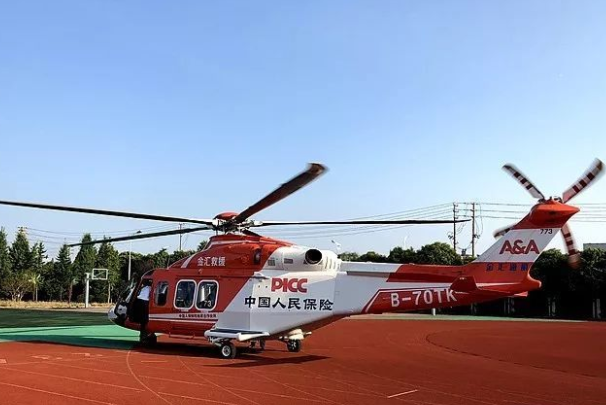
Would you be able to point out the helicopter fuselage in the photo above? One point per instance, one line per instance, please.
(247, 287)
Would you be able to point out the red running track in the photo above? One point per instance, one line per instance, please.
(349, 362)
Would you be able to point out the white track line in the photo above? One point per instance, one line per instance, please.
(402, 393)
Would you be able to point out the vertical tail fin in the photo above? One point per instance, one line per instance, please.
(510, 258)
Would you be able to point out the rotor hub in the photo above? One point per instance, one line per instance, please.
(226, 216)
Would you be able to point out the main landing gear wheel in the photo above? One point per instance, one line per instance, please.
(228, 350)
(293, 346)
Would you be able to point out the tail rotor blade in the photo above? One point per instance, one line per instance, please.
(592, 174)
(574, 257)
(523, 180)
(502, 231)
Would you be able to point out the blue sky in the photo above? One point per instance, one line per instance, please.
(194, 108)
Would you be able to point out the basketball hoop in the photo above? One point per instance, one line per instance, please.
(96, 274)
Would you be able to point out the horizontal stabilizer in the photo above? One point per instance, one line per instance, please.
(467, 284)
(464, 284)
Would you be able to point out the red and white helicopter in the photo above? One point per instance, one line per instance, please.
(244, 287)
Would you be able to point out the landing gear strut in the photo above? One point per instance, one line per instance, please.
(293, 346)
(253, 344)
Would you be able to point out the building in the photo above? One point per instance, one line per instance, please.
(594, 246)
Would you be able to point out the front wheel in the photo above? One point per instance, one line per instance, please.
(294, 346)
(228, 350)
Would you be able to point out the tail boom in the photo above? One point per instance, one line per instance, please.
(501, 271)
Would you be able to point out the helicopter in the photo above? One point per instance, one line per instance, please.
(247, 288)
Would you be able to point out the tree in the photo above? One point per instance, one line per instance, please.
(161, 258)
(139, 265)
(84, 263)
(59, 278)
(34, 280)
(5, 262)
(438, 253)
(20, 253)
(16, 284)
(180, 254)
(107, 258)
(38, 256)
(593, 276)
(35, 275)
(551, 268)
(16, 281)
(593, 269)
(349, 256)
(202, 245)
(372, 257)
(401, 255)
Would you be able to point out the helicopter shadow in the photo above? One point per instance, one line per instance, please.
(247, 357)
(259, 360)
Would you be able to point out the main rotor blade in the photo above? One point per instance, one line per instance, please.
(107, 212)
(364, 222)
(144, 236)
(313, 172)
(523, 180)
(574, 257)
(592, 174)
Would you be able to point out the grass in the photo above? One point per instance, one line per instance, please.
(24, 318)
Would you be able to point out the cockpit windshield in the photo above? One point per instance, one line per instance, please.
(128, 293)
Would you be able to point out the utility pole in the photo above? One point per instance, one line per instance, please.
(180, 235)
(473, 229)
(455, 211)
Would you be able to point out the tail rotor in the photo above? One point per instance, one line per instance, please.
(588, 178)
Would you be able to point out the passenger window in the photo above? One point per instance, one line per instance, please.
(161, 293)
(207, 295)
(184, 297)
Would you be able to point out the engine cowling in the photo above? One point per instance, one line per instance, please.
(302, 258)
(313, 256)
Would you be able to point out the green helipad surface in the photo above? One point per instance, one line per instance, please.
(66, 327)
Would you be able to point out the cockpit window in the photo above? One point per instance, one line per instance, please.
(184, 297)
(207, 295)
